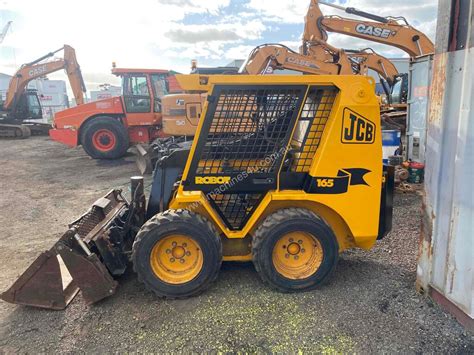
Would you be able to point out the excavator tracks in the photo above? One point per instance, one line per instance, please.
(11, 131)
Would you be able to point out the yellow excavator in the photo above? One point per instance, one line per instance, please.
(23, 105)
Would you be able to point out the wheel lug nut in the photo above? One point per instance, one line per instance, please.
(188, 253)
(172, 260)
(291, 240)
(168, 251)
(287, 256)
(300, 241)
(303, 250)
(296, 257)
(181, 261)
(284, 246)
(184, 245)
(173, 244)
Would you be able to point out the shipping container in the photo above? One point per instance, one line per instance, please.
(446, 259)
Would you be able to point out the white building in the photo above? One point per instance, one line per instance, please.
(51, 93)
(107, 91)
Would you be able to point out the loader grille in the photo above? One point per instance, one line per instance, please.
(92, 218)
(235, 209)
(248, 126)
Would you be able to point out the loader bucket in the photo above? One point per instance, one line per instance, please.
(94, 248)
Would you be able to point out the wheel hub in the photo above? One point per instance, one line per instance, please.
(297, 255)
(103, 140)
(176, 259)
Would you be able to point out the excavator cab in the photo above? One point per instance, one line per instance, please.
(29, 107)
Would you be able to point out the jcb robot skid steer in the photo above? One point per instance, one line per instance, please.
(285, 171)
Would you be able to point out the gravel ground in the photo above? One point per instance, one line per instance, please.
(369, 306)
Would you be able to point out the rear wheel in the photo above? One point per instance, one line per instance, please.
(177, 254)
(294, 250)
(105, 138)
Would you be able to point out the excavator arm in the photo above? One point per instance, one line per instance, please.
(369, 59)
(392, 31)
(277, 57)
(38, 68)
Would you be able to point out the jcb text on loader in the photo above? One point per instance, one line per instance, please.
(285, 171)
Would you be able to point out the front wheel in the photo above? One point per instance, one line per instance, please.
(105, 138)
(177, 254)
(294, 250)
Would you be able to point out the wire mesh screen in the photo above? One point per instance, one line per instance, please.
(249, 125)
(310, 127)
(235, 208)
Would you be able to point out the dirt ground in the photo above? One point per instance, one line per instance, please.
(369, 306)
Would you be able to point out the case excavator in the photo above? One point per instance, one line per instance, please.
(273, 175)
(22, 106)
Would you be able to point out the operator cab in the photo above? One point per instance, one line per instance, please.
(29, 107)
(140, 90)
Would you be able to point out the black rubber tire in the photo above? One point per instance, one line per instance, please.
(285, 221)
(177, 222)
(116, 127)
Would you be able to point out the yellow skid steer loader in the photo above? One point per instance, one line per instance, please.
(285, 171)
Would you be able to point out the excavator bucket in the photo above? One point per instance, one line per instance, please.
(85, 258)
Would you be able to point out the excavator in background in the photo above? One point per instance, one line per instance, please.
(266, 58)
(23, 105)
(391, 31)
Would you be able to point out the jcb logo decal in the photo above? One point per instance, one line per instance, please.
(373, 31)
(357, 129)
(211, 180)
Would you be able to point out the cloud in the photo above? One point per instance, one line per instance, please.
(204, 35)
(169, 33)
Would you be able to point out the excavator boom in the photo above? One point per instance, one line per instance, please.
(36, 69)
(277, 56)
(392, 31)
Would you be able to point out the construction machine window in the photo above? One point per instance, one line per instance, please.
(309, 129)
(160, 89)
(136, 94)
(34, 106)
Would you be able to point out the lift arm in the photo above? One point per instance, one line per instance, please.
(38, 68)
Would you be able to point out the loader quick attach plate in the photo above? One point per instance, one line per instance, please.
(72, 264)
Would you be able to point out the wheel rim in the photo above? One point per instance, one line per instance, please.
(297, 255)
(103, 140)
(176, 259)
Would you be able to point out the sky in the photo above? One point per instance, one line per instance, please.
(167, 34)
